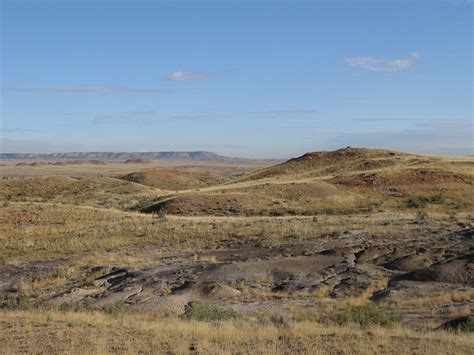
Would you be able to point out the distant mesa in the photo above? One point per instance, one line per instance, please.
(118, 156)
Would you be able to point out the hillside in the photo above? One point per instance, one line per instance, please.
(345, 181)
(174, 180)
(331, 162)
(102, 192)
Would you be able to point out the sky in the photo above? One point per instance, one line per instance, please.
(255, 79)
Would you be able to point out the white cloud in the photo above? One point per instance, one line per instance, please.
(399, 64)
(392, 65)
(184, 75)
(363, 62)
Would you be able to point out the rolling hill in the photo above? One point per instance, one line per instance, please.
(349, 180)
(173, 179)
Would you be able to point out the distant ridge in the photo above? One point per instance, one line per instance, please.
(193, 155)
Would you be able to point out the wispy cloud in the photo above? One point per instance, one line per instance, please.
(201, 116)
(15, 130)
(392, 65)
(114, 120)
(368, 63)
(81, 89)
(286, 112)
(142, 112)
(186, 75)
(415, 120)
(146, 117)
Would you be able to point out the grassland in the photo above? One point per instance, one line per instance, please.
(85, 333)
(95, 262)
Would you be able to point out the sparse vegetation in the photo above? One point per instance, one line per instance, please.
(423, 201)
(468, 326)
(114, 310)
(270, 259)
(367, 314)
(203, 311)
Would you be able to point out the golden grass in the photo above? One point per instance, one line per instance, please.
(116, 168)
(87, 332)
(71, 220)
(37, 231)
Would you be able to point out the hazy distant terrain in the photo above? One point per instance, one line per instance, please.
(362, 249)
(197, 155)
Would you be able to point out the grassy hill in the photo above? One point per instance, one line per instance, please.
(174, 180)
(349, 180)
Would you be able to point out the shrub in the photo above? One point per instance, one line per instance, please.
(66, 307)
(436, 198)
(160, 214)
(416, 202)
(421, 217)
(281, 319)
(468, 325)
(367, 314)
(422, 201)
(207, 312)
(115, 310)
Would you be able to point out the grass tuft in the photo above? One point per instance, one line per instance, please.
(367, 314)
(202, 311)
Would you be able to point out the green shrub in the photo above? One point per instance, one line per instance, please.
(207, 312)
(66, 307)
(468, 325)
(436, 198)
(115, 310)
(416, 202)
(281, 319)
(423, 201)
(367, 314)
(160, 214)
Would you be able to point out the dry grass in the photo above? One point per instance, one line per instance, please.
(237, 168)
(174, 180)
(87, 332)
(37, 231)
(78, 223)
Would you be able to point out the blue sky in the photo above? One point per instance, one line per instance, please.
(257, 79)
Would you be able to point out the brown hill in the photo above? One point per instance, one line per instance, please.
(338, 161)
(349, 180)
(93, 191)
(175, 180)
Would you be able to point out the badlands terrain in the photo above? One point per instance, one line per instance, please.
(350, 251)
